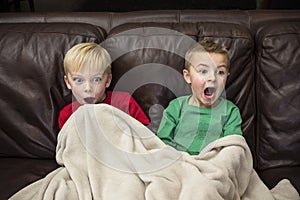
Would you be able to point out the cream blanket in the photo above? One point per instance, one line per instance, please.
(106, 154)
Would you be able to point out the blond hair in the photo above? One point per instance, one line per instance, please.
(205, 46)
(90, 55)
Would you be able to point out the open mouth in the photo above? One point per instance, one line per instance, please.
(89, 100)
(209, 91)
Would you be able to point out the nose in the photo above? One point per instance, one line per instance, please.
(211, 76)
(88, 87)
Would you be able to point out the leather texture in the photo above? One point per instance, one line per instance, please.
(147, 49)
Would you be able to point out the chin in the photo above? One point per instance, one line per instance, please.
(209, 104)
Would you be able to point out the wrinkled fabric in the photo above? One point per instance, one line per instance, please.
(106, 154)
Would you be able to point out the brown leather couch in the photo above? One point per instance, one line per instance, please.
(147, 48)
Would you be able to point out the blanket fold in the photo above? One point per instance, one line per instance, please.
(106, 154)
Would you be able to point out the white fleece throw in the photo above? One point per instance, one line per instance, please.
(106, 154)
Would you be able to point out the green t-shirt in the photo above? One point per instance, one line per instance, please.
(190, 128)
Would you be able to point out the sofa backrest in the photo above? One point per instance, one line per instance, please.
(32, 86)
(278, 95)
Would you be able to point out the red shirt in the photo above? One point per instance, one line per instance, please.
(122, 100)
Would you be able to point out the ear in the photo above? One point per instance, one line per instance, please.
(109, 78)
(186, 76)
(67, 82)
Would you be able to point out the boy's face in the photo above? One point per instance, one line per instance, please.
(207, 75)
(88, 86)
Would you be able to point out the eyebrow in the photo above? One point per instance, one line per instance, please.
(220, 66)
(202, 65)
(208, 66)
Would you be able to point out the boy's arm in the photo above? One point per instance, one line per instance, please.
(66, 112)
(233, 122)
(62, 117)
(168, 125)
(137, 112)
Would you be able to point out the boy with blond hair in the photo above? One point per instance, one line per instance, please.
(87, 68)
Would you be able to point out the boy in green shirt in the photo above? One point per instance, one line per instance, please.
(191, 122)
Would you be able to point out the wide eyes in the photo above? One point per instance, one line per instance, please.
(202, 71)
(79, 80)
(220, 72)
(205, 71)
(96, 79)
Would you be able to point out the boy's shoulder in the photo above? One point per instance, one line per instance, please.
(71, 107)
(117, 97)
(228, 102)
(180, 99)
(118, 93)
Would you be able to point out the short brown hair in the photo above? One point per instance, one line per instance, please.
(206, 46)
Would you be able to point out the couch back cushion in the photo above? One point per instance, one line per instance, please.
(148, 59)
(278, 95)
(32, 86)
